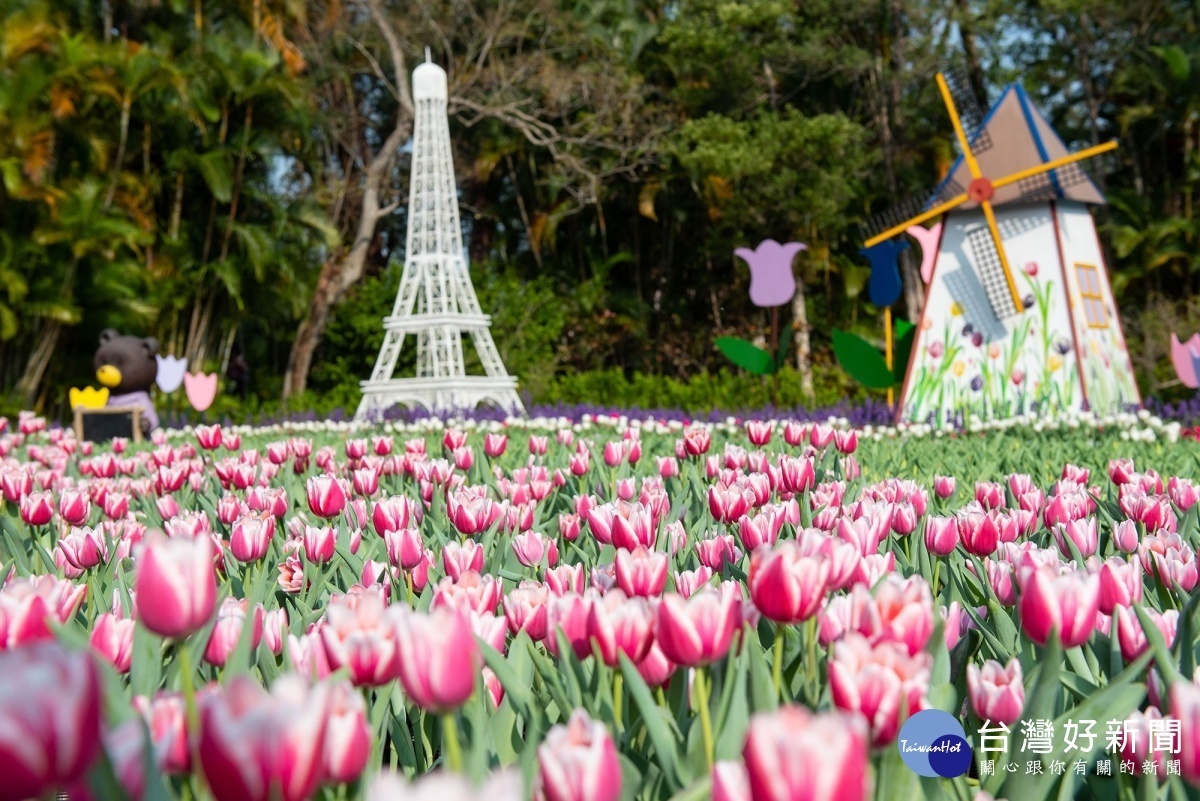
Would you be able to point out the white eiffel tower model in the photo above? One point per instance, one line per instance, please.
(436, 301)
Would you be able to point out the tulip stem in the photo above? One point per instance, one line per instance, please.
(937, 568)
(777, 666)
(618, 690)
(450, 737)
(706, 730)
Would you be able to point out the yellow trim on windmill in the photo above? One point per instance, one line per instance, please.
(982, 189)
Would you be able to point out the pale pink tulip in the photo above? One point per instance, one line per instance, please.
(996, 691)
(878, 682)
(260, 746)
(112, 638)
(794, 755)
(231, 620)
(578, 762)
(348, 737)
(1066, 604)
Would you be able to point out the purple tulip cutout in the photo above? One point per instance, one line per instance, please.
(771, 280)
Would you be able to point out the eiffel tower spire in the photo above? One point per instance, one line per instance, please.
(436, 302)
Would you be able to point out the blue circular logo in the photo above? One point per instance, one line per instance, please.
(933, 743)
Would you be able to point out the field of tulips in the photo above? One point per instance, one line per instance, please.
(596, 611)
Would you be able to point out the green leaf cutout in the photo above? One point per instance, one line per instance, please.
(861, 360)
(749, 357)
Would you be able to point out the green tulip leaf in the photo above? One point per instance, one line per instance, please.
(749, 357)
(861, 360)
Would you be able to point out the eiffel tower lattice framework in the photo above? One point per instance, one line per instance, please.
(436, 302)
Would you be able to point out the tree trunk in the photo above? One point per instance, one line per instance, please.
(343, 271)
(975, 76)
(800, 341)
(122, 142)
(39, 360)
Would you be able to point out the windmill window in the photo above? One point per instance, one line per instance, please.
(1089, 292)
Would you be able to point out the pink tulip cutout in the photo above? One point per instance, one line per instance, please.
(201, 389)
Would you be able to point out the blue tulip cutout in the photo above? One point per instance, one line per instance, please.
(884, 287)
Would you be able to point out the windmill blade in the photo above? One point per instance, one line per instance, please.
(969, 110)
(914, 211)
(994, 282)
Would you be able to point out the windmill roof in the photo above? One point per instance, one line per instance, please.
(1014, 136)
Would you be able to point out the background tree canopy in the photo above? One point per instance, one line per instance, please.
(204, 172)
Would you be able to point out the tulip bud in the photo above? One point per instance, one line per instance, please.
(251, 535)
(176, 585)
(1067, 605)
(319, 544)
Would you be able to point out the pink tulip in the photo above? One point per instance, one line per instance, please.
(83, 548)
(326, 498)
(641, 572)
(537, 445)
(717, 551)
(797, 475)
(260, 746)
(405, 547)
(785, 585)
(698, 631)
(16, 484)
(347, 738)
(176, 586)
(470, 592)
(569, 615)
(112, 638)
(1185, 707)
(74, 507)
(494, 445)
(1082, 532)
(845, 441)
(50, 713)
(903, 613)
(1125, 536)
(319, 544)
(941, 535)
(439, 658)
(526, 609)
(878, 682)
(957, 622)
(37, 508)
(996, 691)
(943, 486)
(166, 717)
(794, 755)
(727, 504)
(1131, 635)
(621, 625)
(730, 782)
(578, 762)
(979, 532)
(759, 432)
(533, 549)
(231, 619)
(471, 513)
(275, 630)
(1066, 604)
(391, 514)
(1120, 583)
(360, 637)
(251, 536)
(459, 558)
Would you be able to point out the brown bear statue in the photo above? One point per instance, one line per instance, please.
(128, 367)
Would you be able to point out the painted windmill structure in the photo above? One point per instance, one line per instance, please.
(436, 302)
(1019, 312)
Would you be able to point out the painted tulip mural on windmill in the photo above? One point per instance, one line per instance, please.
(772, 284)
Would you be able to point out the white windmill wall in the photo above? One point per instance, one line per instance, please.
(1026, 360)
(1109, 383)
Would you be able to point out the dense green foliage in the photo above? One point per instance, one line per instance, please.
(186, 170)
